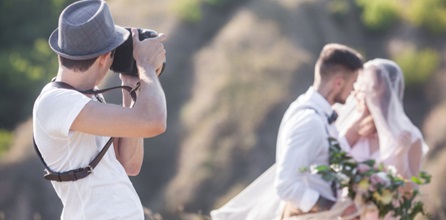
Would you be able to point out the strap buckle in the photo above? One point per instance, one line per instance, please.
(90, 168)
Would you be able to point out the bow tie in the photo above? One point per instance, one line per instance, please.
(332, 118)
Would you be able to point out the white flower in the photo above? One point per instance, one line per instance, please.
(313, 169)
(336, 167)
(344, 178)
(392, 170)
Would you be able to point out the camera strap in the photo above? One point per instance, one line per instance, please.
(73, 175)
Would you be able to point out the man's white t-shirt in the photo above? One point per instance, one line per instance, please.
(107, 192)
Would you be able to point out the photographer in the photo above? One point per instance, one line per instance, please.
(72, 126)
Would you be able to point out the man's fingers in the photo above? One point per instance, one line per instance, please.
(134, 33)
(161, 37)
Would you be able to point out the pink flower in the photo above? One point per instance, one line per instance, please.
(362, 168)
(380, 178)
(396, 203)
(374, 179)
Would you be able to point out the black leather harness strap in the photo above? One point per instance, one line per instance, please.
(73, 175)
(76, 174)
(132, 91)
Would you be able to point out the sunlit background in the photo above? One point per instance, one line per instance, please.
(233, 66)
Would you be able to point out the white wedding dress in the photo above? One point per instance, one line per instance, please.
(258, 201)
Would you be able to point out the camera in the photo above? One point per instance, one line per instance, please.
(123, 61)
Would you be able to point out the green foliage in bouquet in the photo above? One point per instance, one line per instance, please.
(372, 185)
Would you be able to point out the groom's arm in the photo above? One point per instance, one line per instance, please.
(300, 142)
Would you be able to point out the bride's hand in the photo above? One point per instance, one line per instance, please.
(367, 126)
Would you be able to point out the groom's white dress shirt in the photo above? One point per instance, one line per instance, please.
(303, 141)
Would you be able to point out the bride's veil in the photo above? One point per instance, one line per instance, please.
(382, 83)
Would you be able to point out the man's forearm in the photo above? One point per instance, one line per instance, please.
(152, 100)
(130, 153)
(149, 111)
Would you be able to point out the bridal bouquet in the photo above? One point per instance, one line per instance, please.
(375, 186)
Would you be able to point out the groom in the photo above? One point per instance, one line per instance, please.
(305, 128)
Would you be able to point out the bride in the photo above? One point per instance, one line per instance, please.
(385, 134)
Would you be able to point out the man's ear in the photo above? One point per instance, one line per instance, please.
(339, 81)
(103, 59)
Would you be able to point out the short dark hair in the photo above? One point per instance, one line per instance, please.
(333, 57)
(77, 65)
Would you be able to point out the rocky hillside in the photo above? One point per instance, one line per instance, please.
(228, 81)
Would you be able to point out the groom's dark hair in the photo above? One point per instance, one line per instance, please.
(334, 57)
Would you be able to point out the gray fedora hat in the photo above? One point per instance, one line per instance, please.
(86, 30)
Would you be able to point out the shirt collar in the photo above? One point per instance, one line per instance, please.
(319, 101)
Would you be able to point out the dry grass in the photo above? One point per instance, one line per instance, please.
(434, 194)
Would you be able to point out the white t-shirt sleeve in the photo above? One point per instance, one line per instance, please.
(58, 108)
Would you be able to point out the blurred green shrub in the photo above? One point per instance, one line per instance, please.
(191, 11)
(222, 4)
(417, 66)
(378, 15)
(430, 14)
(5, 141)
(27, 61)
(188, 11)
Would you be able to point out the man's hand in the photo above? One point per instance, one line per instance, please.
(149, 53)
(128, 80)
(321, 205)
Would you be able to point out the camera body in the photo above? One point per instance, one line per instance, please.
(123, 61)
